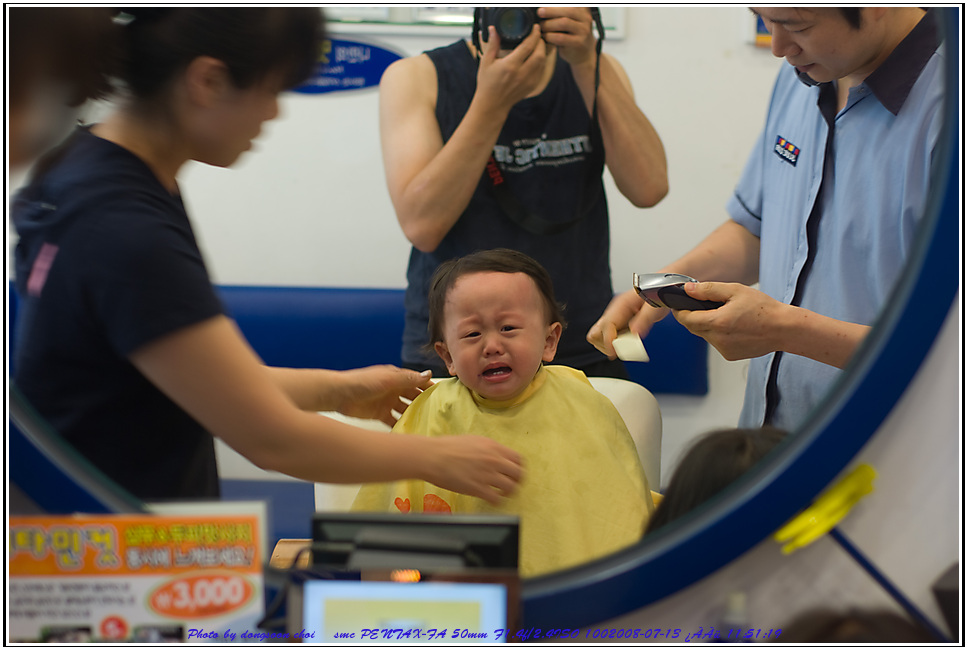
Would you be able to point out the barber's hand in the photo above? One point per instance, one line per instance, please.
(625, 311)
(571, 30)
(476, 466)
(743, 328)
(374, 392)
(507, 80)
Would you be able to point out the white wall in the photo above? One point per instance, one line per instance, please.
(309, 205)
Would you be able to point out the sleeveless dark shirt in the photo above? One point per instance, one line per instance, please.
(543, 153)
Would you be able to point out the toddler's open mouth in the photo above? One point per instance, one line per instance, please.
(496, 372)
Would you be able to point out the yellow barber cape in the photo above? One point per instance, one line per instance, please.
(584, 494)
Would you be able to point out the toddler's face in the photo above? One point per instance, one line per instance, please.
(495, 333)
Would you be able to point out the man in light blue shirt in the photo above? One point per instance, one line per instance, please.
(826, 210)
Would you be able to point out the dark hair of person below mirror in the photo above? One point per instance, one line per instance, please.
(713, 461)
(853, 626)
(71, 45)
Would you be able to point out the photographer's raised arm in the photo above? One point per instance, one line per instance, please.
(430, 182)
(633, 150)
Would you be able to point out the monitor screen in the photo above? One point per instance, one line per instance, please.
(336, 611)
(366, 540)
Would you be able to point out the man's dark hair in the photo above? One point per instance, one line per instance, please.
(851, 15)
(498, 260)
(713, 462)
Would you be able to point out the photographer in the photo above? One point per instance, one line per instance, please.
(503, 146)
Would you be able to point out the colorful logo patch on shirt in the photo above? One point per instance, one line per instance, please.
(786, 150)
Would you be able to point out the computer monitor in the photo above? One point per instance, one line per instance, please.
(335, 611)
(351, 541)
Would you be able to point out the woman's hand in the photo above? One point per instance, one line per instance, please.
(473, 465)
(376, 391)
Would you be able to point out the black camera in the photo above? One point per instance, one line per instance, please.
(513, 24)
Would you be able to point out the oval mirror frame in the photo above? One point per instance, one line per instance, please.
(822, 446)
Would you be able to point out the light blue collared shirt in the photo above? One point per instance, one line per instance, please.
(871, 203)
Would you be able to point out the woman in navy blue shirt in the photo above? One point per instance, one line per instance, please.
(124, 346)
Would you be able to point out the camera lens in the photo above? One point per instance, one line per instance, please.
(513, 24)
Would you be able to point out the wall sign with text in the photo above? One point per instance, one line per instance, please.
(348, 65)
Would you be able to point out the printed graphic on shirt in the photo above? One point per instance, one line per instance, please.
(431, 503)
(786, 150)
(525, 153)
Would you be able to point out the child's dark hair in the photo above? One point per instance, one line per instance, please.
(498, 260)
(713, 462)
(880, 626)
(253, 42)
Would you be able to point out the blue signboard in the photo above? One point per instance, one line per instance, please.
(348, 65)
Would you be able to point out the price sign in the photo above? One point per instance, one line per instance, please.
(201, 596)
(147, 578)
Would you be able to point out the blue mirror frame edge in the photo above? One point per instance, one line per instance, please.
(823, 446)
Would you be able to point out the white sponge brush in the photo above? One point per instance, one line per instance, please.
(629, 347)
